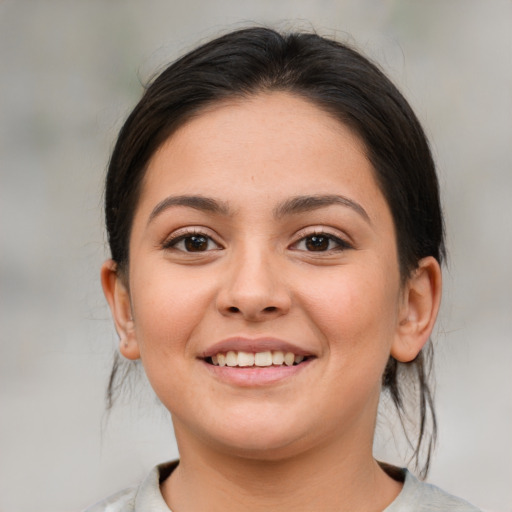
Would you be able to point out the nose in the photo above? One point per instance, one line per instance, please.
(252, 288)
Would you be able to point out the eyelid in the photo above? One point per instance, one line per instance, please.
(180, 234)
(342, 239)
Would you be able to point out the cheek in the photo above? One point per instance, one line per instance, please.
(167, 306)
(355, 309)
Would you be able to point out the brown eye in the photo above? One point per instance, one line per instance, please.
(317, 243)
(192, 243)
(196, 243)
(321, 242)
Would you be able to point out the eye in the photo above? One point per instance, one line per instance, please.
(321, 242)
(192, 242)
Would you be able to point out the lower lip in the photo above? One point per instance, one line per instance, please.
(255, 376)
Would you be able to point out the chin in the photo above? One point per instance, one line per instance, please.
(261, 440)
(263, 449)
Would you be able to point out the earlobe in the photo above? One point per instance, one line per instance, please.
(118, 298)
(418, 311)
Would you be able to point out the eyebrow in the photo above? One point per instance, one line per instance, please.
(201, 203)
(294, 205)
(301, 204)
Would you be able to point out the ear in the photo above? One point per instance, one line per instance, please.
(118, 297)
(418, 311)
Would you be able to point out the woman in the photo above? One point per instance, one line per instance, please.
(276, 233)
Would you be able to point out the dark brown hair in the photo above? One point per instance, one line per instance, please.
(342, 82)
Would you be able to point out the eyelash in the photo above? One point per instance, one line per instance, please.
(172, 243)
(321, 236)
(341, 245)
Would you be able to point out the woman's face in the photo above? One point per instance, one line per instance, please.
(261, 230)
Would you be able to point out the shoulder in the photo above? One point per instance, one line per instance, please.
(146, 496)
(422, 497)
(122, 501)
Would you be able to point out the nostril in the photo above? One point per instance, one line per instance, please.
(233, 309)
(270, 309)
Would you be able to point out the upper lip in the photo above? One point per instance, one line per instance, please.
(262, 344)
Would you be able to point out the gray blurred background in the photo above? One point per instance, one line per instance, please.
(69, 73)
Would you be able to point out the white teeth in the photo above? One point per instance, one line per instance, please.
(278, 357)
(261, 359)
(289, 358)
(245, 359)
(231, 358)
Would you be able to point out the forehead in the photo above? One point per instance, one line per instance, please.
(275, 142)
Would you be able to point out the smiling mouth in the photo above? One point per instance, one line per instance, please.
(267, 358)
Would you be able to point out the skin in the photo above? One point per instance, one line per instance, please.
(250, 444)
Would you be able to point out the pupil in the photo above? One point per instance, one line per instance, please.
(196, 243)
(317, 243)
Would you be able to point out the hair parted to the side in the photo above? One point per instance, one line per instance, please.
(339, 80)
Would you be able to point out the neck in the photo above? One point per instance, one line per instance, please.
(328, 478)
